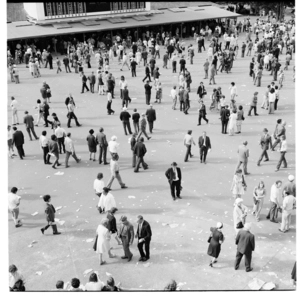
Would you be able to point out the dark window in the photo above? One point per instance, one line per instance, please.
(97, 6)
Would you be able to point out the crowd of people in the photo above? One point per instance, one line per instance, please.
(265, 43)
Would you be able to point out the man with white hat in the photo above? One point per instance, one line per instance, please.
(290, 186)
(126, 234)
(124, 117)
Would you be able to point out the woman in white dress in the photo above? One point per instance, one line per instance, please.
(138, 56)
(232, 122)
(103, 240)
(238, 184)
(106, 201)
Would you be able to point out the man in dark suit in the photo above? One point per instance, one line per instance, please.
(84, 80)
(225, 114)
(152, 63)
(50, 216)
(92, 79)
(266, 143)
(148, 92)
(132, 145)
(151, 117)
(18, 141)
(204, 145)
(140, 150)
(124, 117)
(101, 140)
(173, 174)
(29, 122)
(135, 119)
(66, 62)
(126, 97)
(201, 90)
(243, 152)
(110, 85)
(202, 113)
(245, 242)
(143, 234)
(147, 72)
(45, 108)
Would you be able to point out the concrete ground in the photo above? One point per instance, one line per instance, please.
(178, 252)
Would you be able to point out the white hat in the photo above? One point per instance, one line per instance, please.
(114, 137)
(124, 108)
(219, 225)
(247, 227)
(291, 177)
(238, 200)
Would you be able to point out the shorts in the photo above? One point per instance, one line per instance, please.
(15, 213)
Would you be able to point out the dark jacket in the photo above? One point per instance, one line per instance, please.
(126, 95)
(112, 223)
(140, 149)
(201, 90)
(18, 138)
(50, 212)
(110, 84)
(46, 108)
(147, 70)
(151, 115)
(101, 139)
(92, 78)
(202, 110)
(225, 114)
(148, 89)
(170, 174)
(136, 117)
(207, 142)
(132, 143)
(146, 232)
(29, 121)
(84, 79)
(125, 116)
(265, 142)
(53, 147)
(66, 61)
(245, 242)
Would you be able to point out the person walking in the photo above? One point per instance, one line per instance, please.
(205, 147)
(135, 120)
(106, 201)
(143, 127)
(109, 103)
(71, 114)
(215, 240)
(126, 234)
(225, 114)
(132, 145)
(274, 198)
(233, 91)
(174, 97)
(239, 185)
(240, 118)
(265, 142)
(18, 141)
(290, 186)
(29, 122)
(232, 122)
(45, 108)
(283, 149)
(60, 134)
(186, 99)
(54, 151)
(151, 117)
(239, 215)
(143, 235)
(84, 80)
(173, 175)
(259, 194)
(202, 113)
(44, 143)
(147, 73)
(212, 74)
(188, 141)
(140, 150)
(243, 153)
(50, 216)
(92, 144)
(101, 140)
(124, 117)
(58, 63)
(92, 79)
(253, 104)
(14, 104)
(112, 224)
(201, 91)
(70, 150)
(115, 172)
(66, 62)
(245, 242)
(13, 206)
(148, 92)
(11, 153)
(206, 67)
(288, 204)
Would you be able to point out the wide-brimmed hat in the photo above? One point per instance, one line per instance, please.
(219, 225)
(106, 189)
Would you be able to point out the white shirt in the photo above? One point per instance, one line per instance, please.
(275, 194)
(176, 175)
(13, 201)
(113, 146)
(122, 84)
(288, 202)
(69, 145)
(124, 58)
(173, 93)
(188, 139)
(283, 147)
(9, 134)
(43, 141)
(94, 286)
(14, 104)
(233, 90)
(59, 132)
(272, 97)
(13, 278)
(98, 185)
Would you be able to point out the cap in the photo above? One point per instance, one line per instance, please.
(174, 164)
(265, 130)
(219, 225)
(114, 137)
(238, 200)
(123, 219)
(106, 189)
(245, 142)
(291, 177)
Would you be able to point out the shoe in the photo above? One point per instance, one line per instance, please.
(250, 269)
(141, 258)
(236, 268)
(124, 187)
(247, 173)
(124, 257)
(282, 231)
(42, 230)
(201, 161)
(106, 163)
(256, 114)
(266, 160)
(49, 163)
(58, 164)
(199, 125)
(149, 138)
(258, 164)
(18, 225)
(178, 197)
(79, 125)
(135, 171)
(129, 259)
(211, 264)
(276, 170)
(67, 166)
(56, 233)
(273, 221)
(53, 167)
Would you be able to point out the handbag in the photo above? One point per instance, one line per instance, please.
(95, 243)
(209, 238)
(68, 115)
(240, 225)
(243, 118)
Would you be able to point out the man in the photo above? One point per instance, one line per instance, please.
(243, 153)
(182, 63)
(181, 99)
(152, 63)
(70, 150)
(274, 198)
(45, 109)
(143, 127)
(101, 140)
(206, 66)
(202, 113)
(174, 97)
(126, 234)
(44, 142)
(18, 141)
(13, 206)
(290, 186)
(92, 79)
(280, 131)
(132, 145)
(145, 57)
(133, 68)
(186, 99)
(124, 117)
(147, 72)
(115, 168)
(212, 74)
(140, 150)
(58, 63)
(243, 49)
(289, 203)
(29, 122)
(148, 92)
(50, 215)
(205, 146)
(135, 120)
(188, 141)
(110, 85)
(125, 62)
(14, 109)
(265, 142)
(201, 91)
(173, 175)
(225, 114)
(283, 149)
(126, 98)
(71, 114)
(53, 150)
(66, 62)
(60, 134)
(143, 234)
(84, 80)
(245, 242)
(151, 117)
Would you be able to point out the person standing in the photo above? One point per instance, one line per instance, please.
(173, 175)
(239, 185)
(201, 91)
(54, 151)
(92, 144)
(186, 99)
(239, 215)
(151, 117)
(13, 105)
(265, 142)
(243, 153)
(115, 172)
(133, 67)
(126, 234)
(45, 108)
(58, 63)
(253, 104)
(139, 151)
(259, 194)
(13, 206)
(60, 134)
(289, 203)
(290, 186)
(202, 113)
(132, 145)
(18, 141)
(126, 98)
(233, 91)
(71, 114)
(9, 142)
(143, 234)
(283, 149)
(245, 242)
(206, 67)
(44, 143)
(148, 92)
(147, 73)
(92, 79)
(143, 127)
(66, 62)
(274, 198)
(29, 122)
(225, 114)
(124, 117)
(279, 131)
(174, 97)
(212, 74)
(84, 80)
(188, 141)
(46, 92)
(70, 150)
(215, 240)
(101, 140)
(205, 146)
(50, 216)
(135, 120)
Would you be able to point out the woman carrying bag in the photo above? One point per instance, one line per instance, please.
(215, 240)
(259, 194)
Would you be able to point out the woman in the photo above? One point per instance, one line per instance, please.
(55, 122)
(94, 284)
(215, 240)
(265, 103)
(109, 102)
(15, 276)
(158, 92)
(39, 112)
(259, 194)
(272, 98)
(239, 120)
(103, 241)
(98, 186)
(238, 186)
(232, 122)
(213, 99)
(110, 285)
(112, 223)
(106, 201)
(100, 83)
(92, 144)
(239, 215)
(138, 57)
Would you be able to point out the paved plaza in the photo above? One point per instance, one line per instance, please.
(180, 228)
